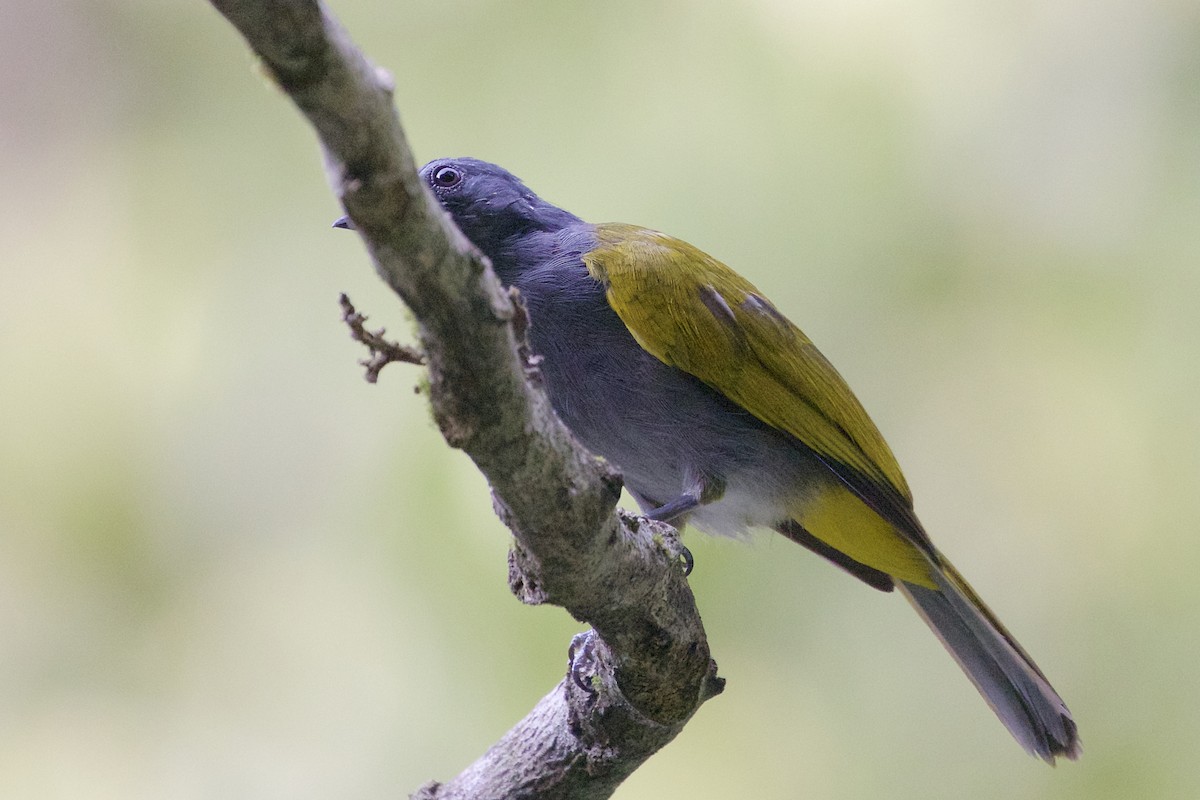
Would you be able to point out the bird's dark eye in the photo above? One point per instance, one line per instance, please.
(446, 177)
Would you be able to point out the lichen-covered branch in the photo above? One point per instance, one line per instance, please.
(646, 668)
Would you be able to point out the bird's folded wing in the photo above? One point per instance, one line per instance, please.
(693, 312)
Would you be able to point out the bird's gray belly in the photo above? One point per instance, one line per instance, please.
(663, 427)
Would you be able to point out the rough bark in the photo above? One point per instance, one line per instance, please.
(645, 668)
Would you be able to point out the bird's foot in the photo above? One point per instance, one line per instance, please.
(579, 657)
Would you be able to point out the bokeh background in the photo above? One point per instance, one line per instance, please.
(229, 568)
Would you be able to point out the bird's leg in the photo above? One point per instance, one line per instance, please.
(668, 512)
(700, 489)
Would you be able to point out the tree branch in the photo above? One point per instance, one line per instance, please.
(646, 669)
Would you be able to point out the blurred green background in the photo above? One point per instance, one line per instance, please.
(229, 568)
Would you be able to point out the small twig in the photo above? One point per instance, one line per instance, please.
(383, 351)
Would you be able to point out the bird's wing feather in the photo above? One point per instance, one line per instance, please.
(693, 312)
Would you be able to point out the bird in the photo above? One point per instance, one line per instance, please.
(722, 415)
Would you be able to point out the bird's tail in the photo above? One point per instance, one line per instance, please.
(1002, 671)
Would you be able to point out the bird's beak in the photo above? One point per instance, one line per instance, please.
(343, 222)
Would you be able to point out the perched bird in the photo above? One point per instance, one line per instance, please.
(721, 413)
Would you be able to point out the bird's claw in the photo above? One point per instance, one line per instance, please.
(688, 561)
(578, 654)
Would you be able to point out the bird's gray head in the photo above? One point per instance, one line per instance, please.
(490, 204)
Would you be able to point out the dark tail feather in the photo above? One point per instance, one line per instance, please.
(1004, 674)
